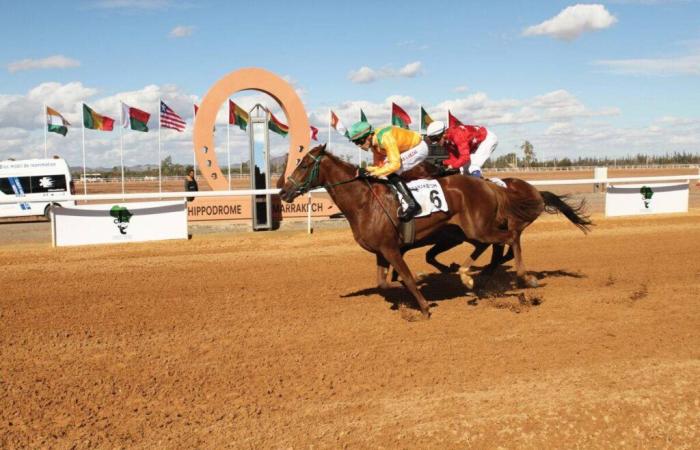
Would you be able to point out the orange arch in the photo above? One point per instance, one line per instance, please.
(236, 81)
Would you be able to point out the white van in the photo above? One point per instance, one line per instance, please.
(36, 182)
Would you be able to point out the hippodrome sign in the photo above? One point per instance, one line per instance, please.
(299, 137)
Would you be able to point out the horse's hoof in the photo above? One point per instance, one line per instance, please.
(467, 280)
(531, 281)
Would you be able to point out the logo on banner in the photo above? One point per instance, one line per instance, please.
(46, 182)
(647, 194)
(122, 216)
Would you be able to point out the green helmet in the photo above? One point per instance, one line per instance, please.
(359, 130)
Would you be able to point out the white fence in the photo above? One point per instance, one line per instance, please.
(249, 192)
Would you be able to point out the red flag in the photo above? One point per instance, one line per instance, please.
(314, 132)
(399, 116)
(196, 108)
(452, 120)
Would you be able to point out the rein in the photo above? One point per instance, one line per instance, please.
(302, 188)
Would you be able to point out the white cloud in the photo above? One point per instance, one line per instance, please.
(571, 22)
(363, 75)
(51, 62)
(133, 4)
(368, 75)
(683, 65)
(462, 88)
(181, 31)
(410, 70)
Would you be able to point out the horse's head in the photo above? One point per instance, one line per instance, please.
(306, 175)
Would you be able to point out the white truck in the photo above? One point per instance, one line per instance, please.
(33, 183)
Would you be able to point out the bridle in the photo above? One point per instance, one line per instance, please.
(306, 186)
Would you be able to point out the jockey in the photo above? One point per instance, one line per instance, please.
(396, 150)
(467, 145)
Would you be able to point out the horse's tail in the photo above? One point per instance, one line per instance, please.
(554, 204)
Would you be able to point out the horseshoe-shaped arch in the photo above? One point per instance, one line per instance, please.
(236, 81)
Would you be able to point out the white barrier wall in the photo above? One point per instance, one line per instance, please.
(119, 222)
(650, 198)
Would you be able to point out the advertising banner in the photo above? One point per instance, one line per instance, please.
(638, 199)
(119, 222)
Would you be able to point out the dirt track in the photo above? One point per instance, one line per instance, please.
(281, 340)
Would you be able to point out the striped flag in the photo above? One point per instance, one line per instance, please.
(399, 117)
(338, 125)
(169, 119)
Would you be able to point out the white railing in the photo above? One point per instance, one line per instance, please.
(248, 192)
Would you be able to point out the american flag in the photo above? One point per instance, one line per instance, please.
(169, 119)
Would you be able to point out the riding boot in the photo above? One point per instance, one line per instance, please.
(412, 207)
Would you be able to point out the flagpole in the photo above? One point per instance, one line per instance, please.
(84, 170)
(420, 117)
(160, 181)
(121, 143)
(228, 145)
(329, 128)
(46, 127)
(194, 150)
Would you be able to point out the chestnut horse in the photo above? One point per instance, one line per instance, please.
(370, 206)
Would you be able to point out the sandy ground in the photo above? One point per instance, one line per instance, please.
(281, 340)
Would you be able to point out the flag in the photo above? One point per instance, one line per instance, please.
(169, 119)
(314, 132)
(56, 122)
(134, 118)
(237, 116)
(338, 125)
(196, 108)
(363, 118)
(278, 127)
(399, 116)
(95, 121)
(452, 120)
(425, 119)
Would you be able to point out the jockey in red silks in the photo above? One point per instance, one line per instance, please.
(469, 146)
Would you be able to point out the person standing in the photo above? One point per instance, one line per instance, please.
(191, 184)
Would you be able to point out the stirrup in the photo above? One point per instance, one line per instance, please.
(409, 213)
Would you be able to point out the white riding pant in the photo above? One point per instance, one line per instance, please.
(482, 153)
(413, 156)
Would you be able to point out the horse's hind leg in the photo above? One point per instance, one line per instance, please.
(393, 255)
(529, 280)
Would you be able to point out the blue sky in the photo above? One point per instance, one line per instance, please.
(612, 78)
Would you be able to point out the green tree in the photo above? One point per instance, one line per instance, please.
(529, 152)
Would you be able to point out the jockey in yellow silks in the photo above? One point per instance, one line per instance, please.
(401, 150)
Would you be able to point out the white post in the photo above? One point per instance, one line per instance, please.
(121, 142)
(84, 171)
(46, 132)
(228, 146)
(52, 214)
(308, 214)
(160, 181)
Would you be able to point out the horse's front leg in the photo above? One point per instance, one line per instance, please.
(382, 273)
(393, 255)
(465, 269)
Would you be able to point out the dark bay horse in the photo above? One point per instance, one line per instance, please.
(484, 214)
